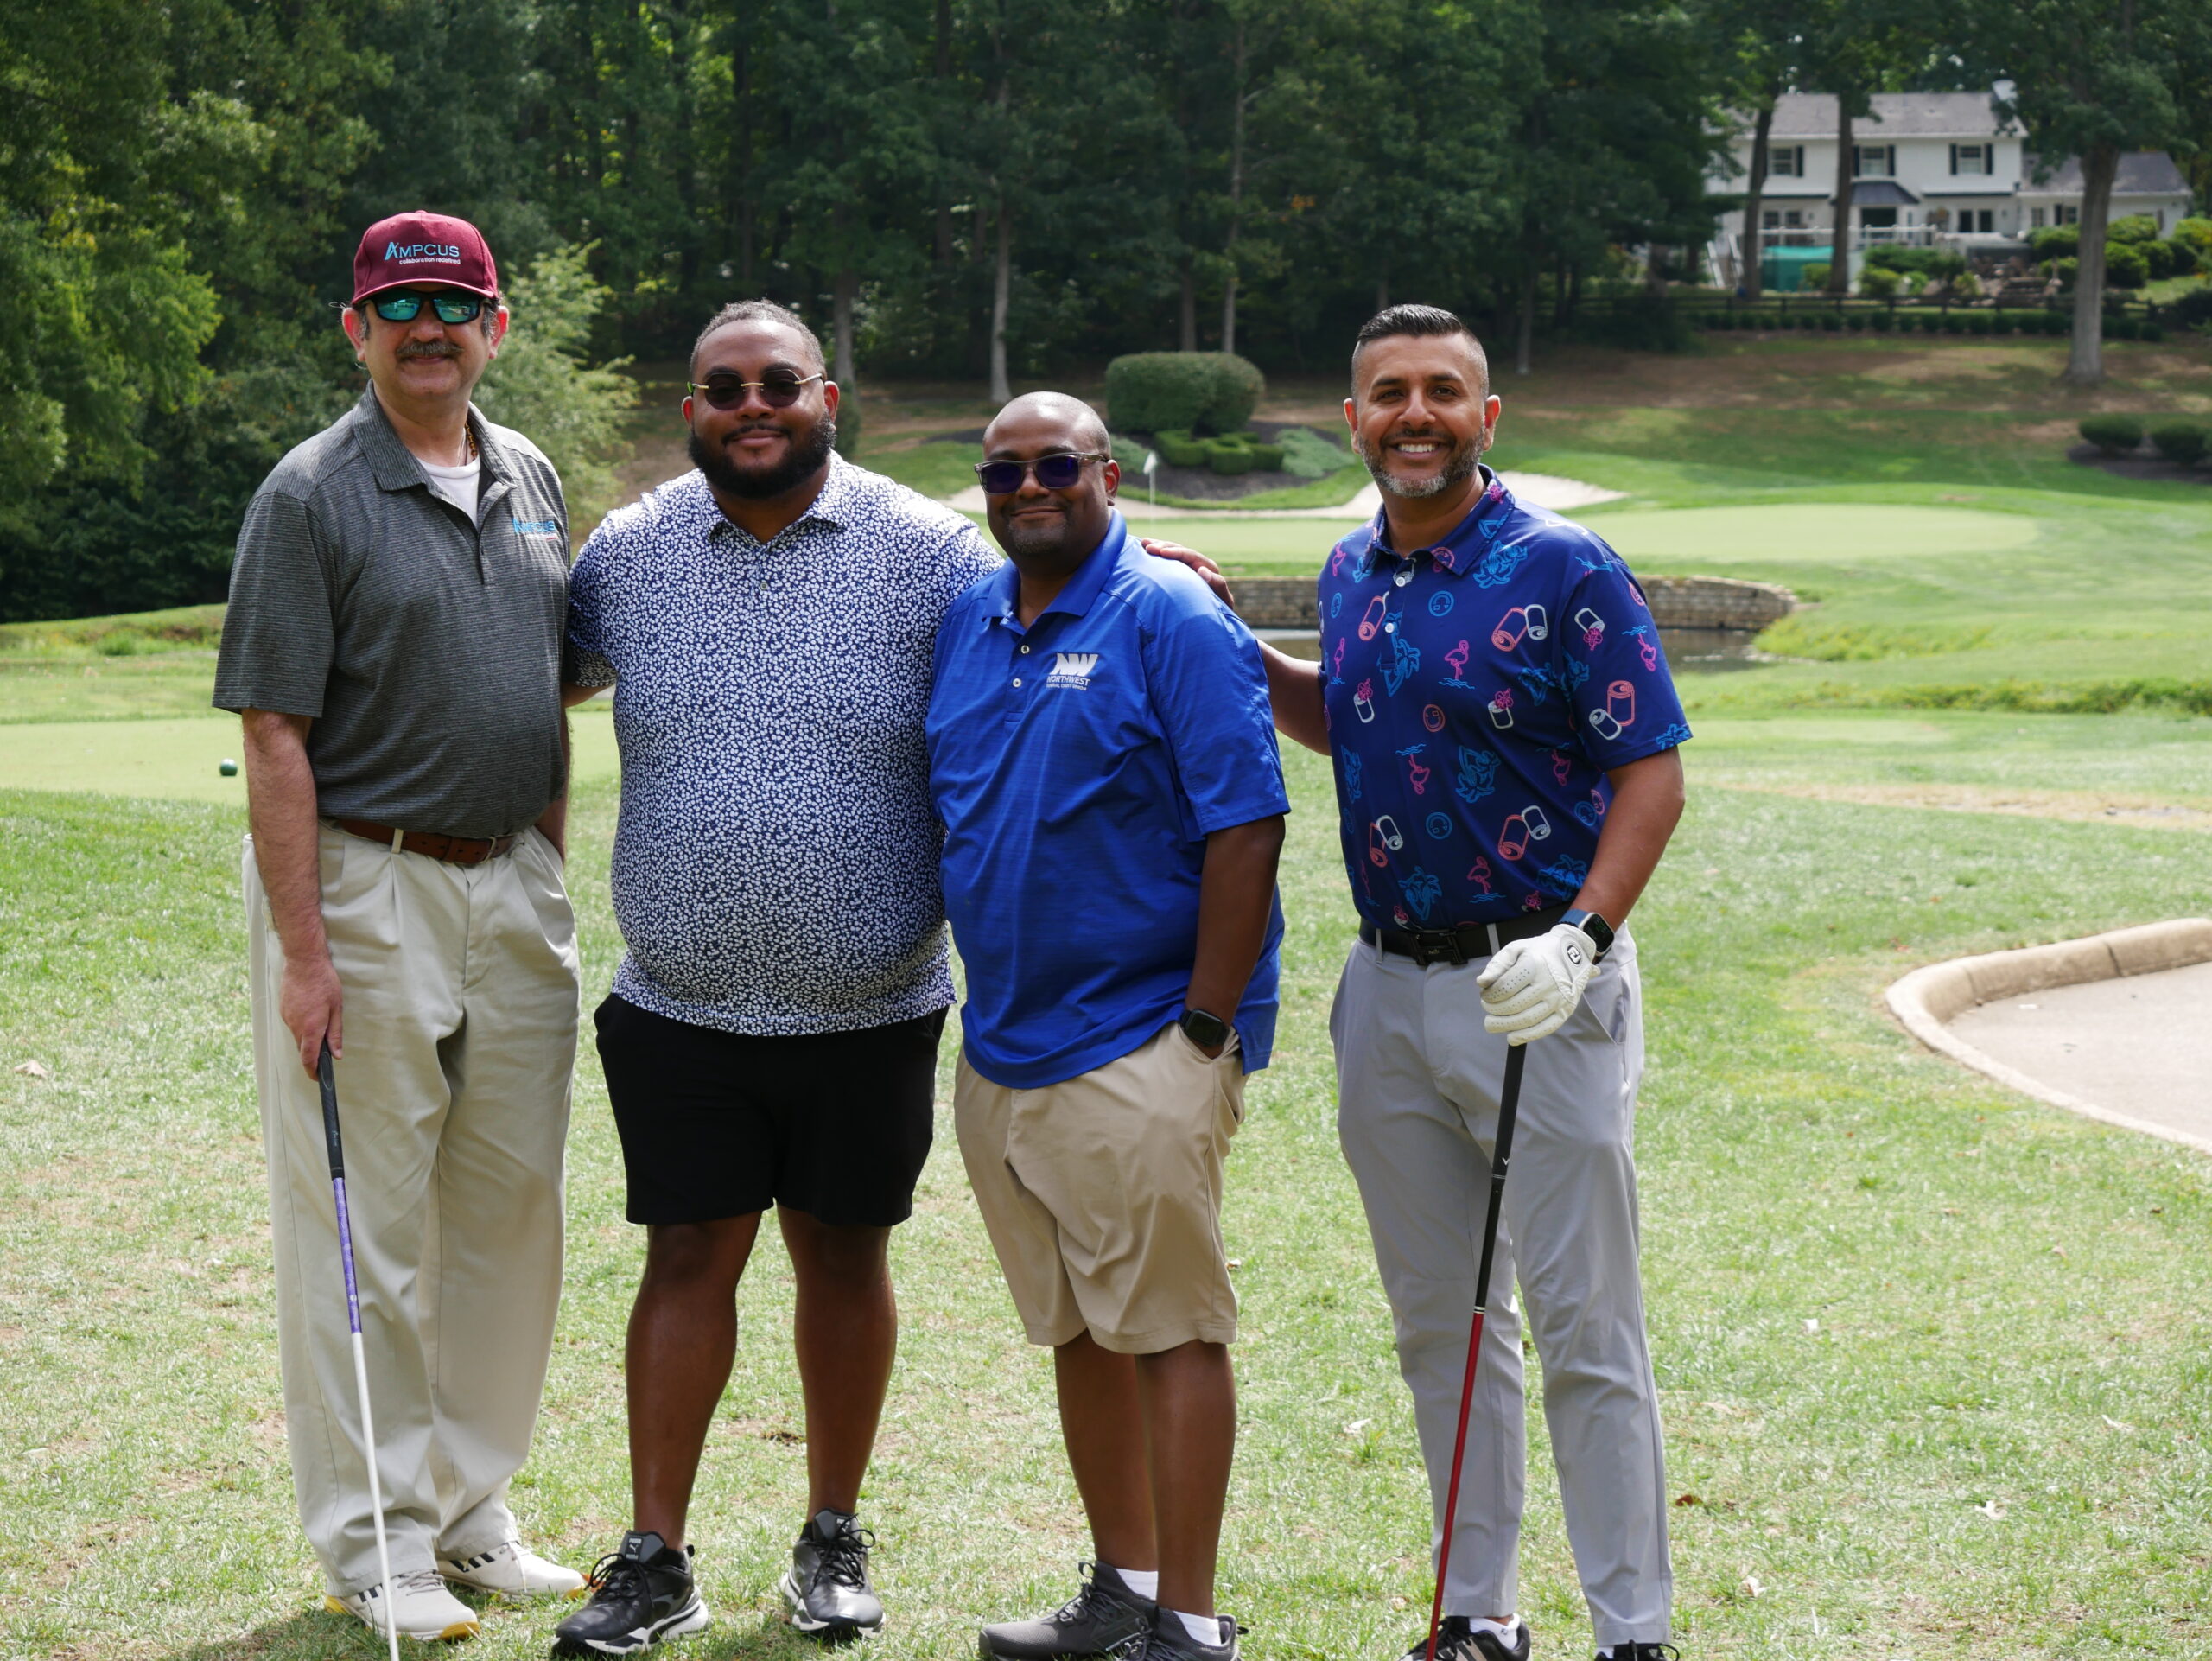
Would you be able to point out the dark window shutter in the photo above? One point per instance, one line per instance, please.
(1954, 159)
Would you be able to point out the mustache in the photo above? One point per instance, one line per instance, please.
(427, 349)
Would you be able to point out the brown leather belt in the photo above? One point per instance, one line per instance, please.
(453, 850)
(1468, 943)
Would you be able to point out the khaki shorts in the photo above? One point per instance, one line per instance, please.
(1103, 1194)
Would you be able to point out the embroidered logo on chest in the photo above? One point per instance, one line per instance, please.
(1073, 669)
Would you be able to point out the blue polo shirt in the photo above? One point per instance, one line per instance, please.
(1078, 766)
(1477, 693)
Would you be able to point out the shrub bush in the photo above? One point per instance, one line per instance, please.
(2193, 310)
(2055, 242)
(2113, 434)
(2179, 441)
(1880, 323)
(1954, 324)
(1814, 279)
(1179, 448)
(2158, 259)
(2150, 331)
(1193, 391)
(1230, 459)
(2064, 270)
(1830, 323)
(1268, 458)
(2121, 329)
(2132, 228)
(2126, 266)
(2197, 233)
(1979, 323)
(1307, 454)
(1854, 321)
(1878, 282)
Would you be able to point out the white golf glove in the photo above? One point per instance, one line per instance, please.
(1532, 986)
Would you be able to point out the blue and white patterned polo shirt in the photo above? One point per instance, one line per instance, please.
(1477, 693)
(776, 860)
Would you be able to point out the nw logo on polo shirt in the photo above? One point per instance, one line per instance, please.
(1072, 669)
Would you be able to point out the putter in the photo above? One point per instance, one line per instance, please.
(326, 1076)
(1509, 1102)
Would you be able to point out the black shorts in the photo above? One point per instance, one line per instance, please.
(718, 1125)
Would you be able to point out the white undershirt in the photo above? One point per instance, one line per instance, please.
(456, 485)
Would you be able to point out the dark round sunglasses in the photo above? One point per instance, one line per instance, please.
(778, 388)
(1053, 472)
(406, 308)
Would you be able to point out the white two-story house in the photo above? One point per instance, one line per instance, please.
(1928, 169)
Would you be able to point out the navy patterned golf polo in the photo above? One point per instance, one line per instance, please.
(1477, 692)
(776, 861)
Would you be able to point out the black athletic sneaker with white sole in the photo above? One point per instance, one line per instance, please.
(1107, 1618)
(827, 1591)
(1641, 1652)
(1171, 1640)
(1460, 1639)
(639, 1595)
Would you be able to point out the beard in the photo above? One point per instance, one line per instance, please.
(802, 456)
(1458, 467)
(1036, 541)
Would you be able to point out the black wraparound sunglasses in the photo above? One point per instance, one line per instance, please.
(1053, 472)
(406, 308)
(778, 388)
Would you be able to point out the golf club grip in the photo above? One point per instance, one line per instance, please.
(1509, 1108)
(327, 1077)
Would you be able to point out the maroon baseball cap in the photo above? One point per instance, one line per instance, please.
(410, 248)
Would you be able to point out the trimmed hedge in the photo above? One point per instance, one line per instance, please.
(1179, 448)
(2180, 441)
(2112, 433)
(1230, 459)
(1184, 391)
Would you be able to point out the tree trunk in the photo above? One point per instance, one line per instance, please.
(1750, 247)
(740, 72)
(1845, 171)
(840, 330)
(1187, 340)
(1528, 318)
(1236, 200)
(2085, 362)
(945, 77)
(1382, 291)
(1001, 289)
(1559, 291)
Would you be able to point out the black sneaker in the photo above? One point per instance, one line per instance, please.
(639, 1595)
(827, 1590)
(1457, 1640)
(1641, 1652)
(1171, 1640)
(1107, 1617)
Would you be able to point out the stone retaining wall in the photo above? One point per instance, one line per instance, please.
(1676, 602)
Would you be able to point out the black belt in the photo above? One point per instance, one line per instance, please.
(1466, 943)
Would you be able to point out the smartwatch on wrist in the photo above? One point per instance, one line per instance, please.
(1599, 931)
(1208, 1032)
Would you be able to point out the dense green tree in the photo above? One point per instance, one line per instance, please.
(2097, 78)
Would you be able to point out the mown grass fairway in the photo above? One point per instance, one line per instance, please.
(1934, 1360)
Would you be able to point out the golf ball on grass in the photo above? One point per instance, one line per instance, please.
(227, 768)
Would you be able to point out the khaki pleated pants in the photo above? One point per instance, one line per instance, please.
(1418, 1084)
(459, 1030)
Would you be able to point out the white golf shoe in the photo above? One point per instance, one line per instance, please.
(423, 1608)
(513, 1570)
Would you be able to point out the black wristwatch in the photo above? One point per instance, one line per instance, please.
(1207, 1032)
(1599, 931)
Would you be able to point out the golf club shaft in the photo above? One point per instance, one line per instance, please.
(325, 1075)
(1509, 1103)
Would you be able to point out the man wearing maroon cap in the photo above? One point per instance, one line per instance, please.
(393, 645)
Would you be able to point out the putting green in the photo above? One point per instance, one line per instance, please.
(178, 760)
(1813, 533)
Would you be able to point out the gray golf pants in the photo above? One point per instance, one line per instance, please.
(1418, 1081)
(459, 1033)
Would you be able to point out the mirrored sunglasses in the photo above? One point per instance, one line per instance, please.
(778, 388)
(1053, 472)
(406, 307)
